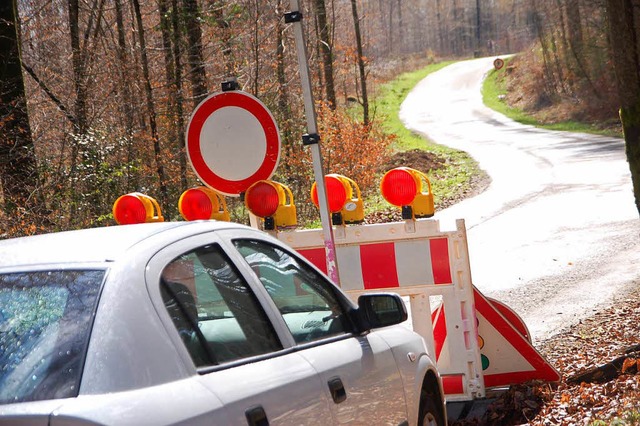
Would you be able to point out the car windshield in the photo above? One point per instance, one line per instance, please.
(45, 321)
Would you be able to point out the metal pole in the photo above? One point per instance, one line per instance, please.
(313, 141)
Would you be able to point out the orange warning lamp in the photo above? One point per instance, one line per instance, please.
(403, 187)
(203, 203)
(344, 207)
(136, 208)
(267, 199)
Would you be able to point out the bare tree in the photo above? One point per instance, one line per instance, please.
(127, 97)
(327, 51)
(195, 57)
(173, 75)
(155, 138)
(18, 167)
(624, 33)
(361, 65)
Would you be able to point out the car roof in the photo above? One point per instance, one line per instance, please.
(93, 244)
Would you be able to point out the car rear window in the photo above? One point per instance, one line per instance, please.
(45, 322)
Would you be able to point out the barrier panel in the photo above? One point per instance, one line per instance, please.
(478, 342)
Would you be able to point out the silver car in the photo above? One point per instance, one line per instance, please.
(207, 323)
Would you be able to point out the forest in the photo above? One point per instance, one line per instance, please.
(96, 94)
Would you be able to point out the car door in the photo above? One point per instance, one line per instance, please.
(232, 344)
(358, 372)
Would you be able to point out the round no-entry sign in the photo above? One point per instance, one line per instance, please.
(232, 142)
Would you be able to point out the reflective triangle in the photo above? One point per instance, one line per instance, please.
(508, 356)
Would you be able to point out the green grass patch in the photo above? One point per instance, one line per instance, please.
(454, 179)
(494, 91)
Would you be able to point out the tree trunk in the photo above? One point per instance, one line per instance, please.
(174, 107)
(623, 34)
(197, 74)
(150, 106)
(577, 44)
(175, 24)
(390, 27)
(18, 166)
(439, 19)
(479, 49)
(80, 109)
(361, 65)
(255, 50)
(227, 41)
(327, 52)
(400, 26)
(384, 26)
(574, 27)
(127, 98)
(283, 101)
(457, 42)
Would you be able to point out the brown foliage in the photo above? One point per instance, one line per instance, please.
(348, 148)
(95, 126)
(567, 73)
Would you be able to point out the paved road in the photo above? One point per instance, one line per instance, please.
(556, 234)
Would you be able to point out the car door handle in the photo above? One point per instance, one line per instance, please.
(256, 416)
(338, 393)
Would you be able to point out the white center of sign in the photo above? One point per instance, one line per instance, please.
(233, 143)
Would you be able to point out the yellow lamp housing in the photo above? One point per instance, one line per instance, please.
(273, 202)
(353, 209)
(203, 203)
(136, 207)
(345, 208)
(423, 204)
(403, 187)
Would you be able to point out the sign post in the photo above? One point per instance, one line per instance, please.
(313, 140)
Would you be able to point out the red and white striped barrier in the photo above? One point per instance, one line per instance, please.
(478, 343)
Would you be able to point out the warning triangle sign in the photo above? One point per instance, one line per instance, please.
(507, 355)
(506, 352)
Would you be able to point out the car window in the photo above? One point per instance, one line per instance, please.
(45, 322)
(216, 313)
(306, 300)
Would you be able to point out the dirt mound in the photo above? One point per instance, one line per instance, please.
(418, 159)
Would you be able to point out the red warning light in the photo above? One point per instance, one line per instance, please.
(194, 204)
(262, 199)
(337, 193)
(129, 210)
(202, 203)
(399, 187)
(136, 208)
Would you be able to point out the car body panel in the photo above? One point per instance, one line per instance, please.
(70, 247)
(404, 342)
(137, 369)
(367, 369)
(35, 413)
(180, 402)
(285, 386)
(126, 350)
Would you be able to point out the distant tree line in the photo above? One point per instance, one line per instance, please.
(96, 94)
(589, 50)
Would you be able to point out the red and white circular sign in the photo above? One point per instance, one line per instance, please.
(232, 142)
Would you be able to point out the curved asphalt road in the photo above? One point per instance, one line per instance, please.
(557, 233)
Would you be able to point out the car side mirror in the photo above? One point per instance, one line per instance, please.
(381, 309)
